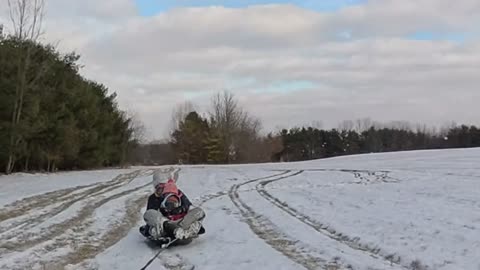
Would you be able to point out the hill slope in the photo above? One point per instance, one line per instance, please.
(407, 210)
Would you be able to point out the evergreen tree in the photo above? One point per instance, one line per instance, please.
(52, 118)
(214, 148)
(190, 140)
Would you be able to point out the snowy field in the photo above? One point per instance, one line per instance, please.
(409, 210)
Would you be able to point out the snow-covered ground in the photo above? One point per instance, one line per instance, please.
(406, 210)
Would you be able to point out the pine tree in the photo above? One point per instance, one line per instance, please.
(190, 139)
(214, 148)
(65, 121)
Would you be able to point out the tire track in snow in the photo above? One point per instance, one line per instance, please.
(18, 208)
(65, 198)
(83, 256)
(24, 206)
(380, 176)
(116, 232)
(353, 243)
(268, 232)
(84, 243)
(208, 197)
(26, 240)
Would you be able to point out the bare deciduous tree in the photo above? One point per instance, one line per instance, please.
(137, 127)
(179, 113)
(238, 129)
(225, 118)
(446, 127)
(27, 18)
(400, 125)
(346, 125)
(363, 124)
(317, 124)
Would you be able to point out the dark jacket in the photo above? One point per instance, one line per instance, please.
(155, 201)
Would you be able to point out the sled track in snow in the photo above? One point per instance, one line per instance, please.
(208, 197)
(380, 177)
(33, 232)
(268, 232)
(32, 211)
(351, 242)
(82, 253)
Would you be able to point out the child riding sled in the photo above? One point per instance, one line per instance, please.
(170, 216)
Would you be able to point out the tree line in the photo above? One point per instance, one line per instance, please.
(52, 118)
(312, 143)
(228, 134)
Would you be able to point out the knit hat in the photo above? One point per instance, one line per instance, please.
(160, 178)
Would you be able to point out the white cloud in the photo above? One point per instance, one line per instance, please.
(372, 70)
(103, 11)
(394, 17)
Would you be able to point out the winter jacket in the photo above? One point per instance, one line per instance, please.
(154, 202)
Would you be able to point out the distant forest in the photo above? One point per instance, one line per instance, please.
(228, 134)
(52, 118)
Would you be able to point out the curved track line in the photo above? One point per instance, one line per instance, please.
(30, 221)
(67, 197)
(268, 232)
(86, 251)
(353, 243)
(80, 260)
(27, 240)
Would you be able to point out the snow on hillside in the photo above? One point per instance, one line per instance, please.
(406, 210)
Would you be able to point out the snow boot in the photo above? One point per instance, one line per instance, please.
(190, 226)
(144, 230)
(155, 228)
(193, 216)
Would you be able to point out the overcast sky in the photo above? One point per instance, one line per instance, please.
(289, 62)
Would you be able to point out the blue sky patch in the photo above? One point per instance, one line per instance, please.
(286, 87)
(429, 35)
(152, 7)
